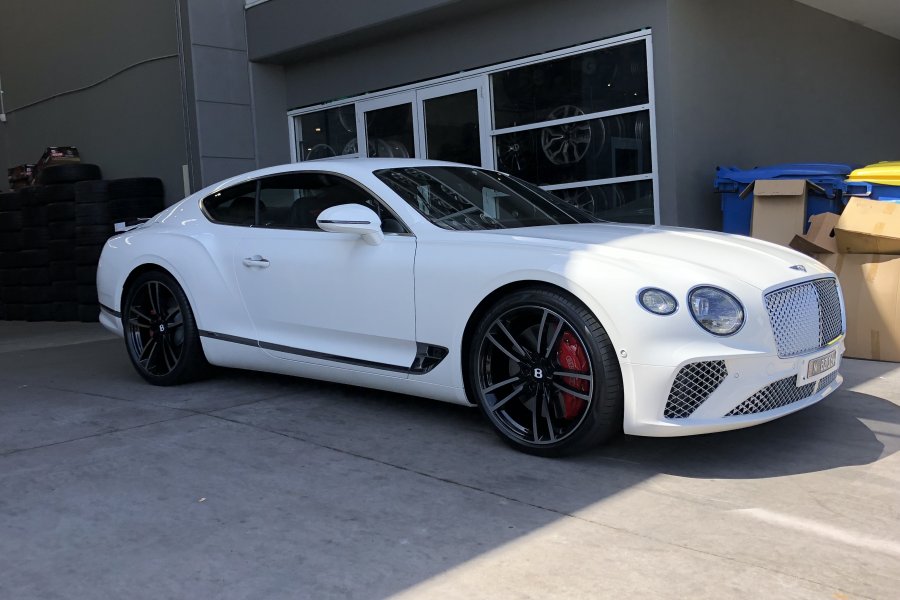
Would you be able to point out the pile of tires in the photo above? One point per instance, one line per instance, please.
(52, 235)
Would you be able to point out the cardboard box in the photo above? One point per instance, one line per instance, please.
(871, 287)
(820, 237)
(779, 208)
(869, 227)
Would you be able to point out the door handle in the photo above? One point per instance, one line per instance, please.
(256, 261)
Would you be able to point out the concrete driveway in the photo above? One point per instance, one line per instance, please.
(256, 486)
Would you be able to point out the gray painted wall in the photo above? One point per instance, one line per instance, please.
(131, 124)
(759, 82)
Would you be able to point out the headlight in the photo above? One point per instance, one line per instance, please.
(657, 301)
(716, 310)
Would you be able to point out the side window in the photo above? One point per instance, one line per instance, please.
(234, 206)
(295, 200)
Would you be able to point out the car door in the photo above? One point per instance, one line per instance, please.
(316, 296)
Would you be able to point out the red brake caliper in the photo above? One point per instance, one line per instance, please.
(572, 358)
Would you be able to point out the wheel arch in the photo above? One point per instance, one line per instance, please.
(512, 287)
(139, 270)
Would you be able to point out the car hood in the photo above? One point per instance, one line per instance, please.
(756, 262)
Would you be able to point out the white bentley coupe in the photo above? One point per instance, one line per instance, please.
(466, 285)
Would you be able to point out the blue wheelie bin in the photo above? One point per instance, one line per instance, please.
(737, 211)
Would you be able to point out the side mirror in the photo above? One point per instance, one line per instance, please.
(352, 218)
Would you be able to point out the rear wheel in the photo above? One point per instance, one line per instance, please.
(545, 374)
(160, 331)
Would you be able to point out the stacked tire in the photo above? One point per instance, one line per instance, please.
(52, 235)
(12, 239)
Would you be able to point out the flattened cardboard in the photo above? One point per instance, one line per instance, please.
(871, 288)
(820, 237)
(779, 209)
(869, 227)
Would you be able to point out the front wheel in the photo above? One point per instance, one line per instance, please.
(545, 374)
(160, 331)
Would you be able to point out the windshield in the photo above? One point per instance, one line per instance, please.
(466, 198)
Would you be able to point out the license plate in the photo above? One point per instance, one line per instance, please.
(820, 366)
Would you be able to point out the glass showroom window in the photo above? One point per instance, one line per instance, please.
(579, 126)
(577, 122)
(326, 133)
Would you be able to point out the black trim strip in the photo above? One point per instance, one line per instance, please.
(114, 313)
(428, 356)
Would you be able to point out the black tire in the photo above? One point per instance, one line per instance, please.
(61, 211)
(33, 258)
(68, 173)
(92, 213)
(12, 294)
(62, 231)
(10, 277)
(15, 312)
(36, 294)
(88, 255)
(36, 276)
(86, 235)
(59, 192)
(520, 387)
(60, 250)
(62, 270)
(10, 201)
(34, 216)
(128, 209)
(39, 312)
(64, 291)
(160, 331)
(86, 275)
(65, 311)
(11, 241)
(136, 187)
(36, 238)
(85, 293)
(92, 191)
(88, 313)
(11, 220)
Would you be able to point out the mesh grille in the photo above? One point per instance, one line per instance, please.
(827, 380)
(693, 385)
(781, 393)
(805, 317)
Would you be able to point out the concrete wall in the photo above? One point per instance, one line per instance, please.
(130, 121)
(767, 81)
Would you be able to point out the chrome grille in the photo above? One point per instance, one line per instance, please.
(805, 317)
(693, 385)
(781, 393)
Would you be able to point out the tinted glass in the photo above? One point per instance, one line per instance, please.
(630, 202)
(390, 132)
(234, 205)
(295, 200)
(584, 150)
(591, 82)
(325, 133)
(451, 128)
(470, 199)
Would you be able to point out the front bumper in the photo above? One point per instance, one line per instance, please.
(746, 386)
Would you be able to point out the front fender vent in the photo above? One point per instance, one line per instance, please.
(693, 385)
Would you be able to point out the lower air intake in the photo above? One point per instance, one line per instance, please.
(781, 393)
(693, 385)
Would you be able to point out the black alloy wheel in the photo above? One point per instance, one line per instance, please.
(545, 374)
(160, 331)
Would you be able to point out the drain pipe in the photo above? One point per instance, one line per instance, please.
(2, 107)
